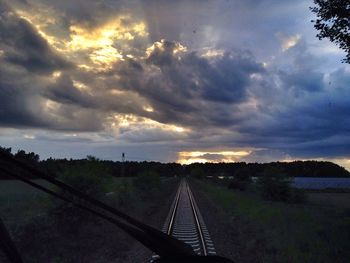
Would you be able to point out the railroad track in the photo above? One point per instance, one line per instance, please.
(186, 223)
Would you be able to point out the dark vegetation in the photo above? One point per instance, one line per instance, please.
(56, 167)
(265, 219)
(276, 186)
(46, 229)
(271, 222)
(49, 230)
(333, 22)
(271, 185)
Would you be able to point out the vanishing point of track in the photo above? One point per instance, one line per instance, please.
(186, 223)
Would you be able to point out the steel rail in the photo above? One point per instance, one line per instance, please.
(198, 225)
(185, 223)
(171, 223)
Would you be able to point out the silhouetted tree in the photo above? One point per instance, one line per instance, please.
(146, 181)
(241, 179)
(88, 176)
(27, 157)
(102, 168)
(198, 172)
(6, 150)
(333, 22)
(274, 185)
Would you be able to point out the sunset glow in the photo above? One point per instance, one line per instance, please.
(214, 156)
(242, 83)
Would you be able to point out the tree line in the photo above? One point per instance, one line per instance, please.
(55, 167)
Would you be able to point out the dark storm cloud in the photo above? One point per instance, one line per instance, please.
(94, 96)
(299, 81)
(305, 125)
(303, 76)
(26, 62)
(188, 88)
(297, 104)
(22, 106)
(85, 12)
(15, 104)
(64, 91)
(24, 47)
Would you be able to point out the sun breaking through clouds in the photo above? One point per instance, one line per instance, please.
(217, 81)
(215, 157)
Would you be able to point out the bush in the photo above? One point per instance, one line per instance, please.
(198, 173)
(236, 184)
(87, 178)
(241, 180)
(147, 181)
(122, 195)
(274, 185)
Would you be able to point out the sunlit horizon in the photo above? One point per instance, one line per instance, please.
(247, 82)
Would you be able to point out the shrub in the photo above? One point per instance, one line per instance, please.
(236, 184)
(274, 185)
(146, 181)
(297, 196)
(85, 177)
(241, 180)
(123, 194)
(198, 173)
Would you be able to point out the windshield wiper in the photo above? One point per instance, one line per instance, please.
(167, 247)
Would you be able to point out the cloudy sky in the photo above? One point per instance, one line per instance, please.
(171, 81)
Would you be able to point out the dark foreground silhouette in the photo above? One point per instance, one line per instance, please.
(167, 247)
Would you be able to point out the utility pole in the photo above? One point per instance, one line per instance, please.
(123, 164)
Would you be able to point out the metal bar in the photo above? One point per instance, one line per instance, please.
(8, 246)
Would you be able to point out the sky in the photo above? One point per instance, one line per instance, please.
(171, 81)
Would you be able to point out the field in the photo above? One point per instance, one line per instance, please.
(62, 233)
(262, 231)
(341, 200)
(19, 202)
(266, 231)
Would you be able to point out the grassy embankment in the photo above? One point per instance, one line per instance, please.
(289, 232)
(49, 231)
(20, 203)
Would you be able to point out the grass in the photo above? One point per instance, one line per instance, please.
(341, 200)
(21, 205)
(292, 233)
(20, 202)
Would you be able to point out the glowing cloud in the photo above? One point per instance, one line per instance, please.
(106, 56)
(120, 121)
(80, 85)
(212, 156)
(94, 48)
(29, 136)
(288, 42)
(105, 35)
(56, 74)
(163, 45)
(213, 53)
(100, 43)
